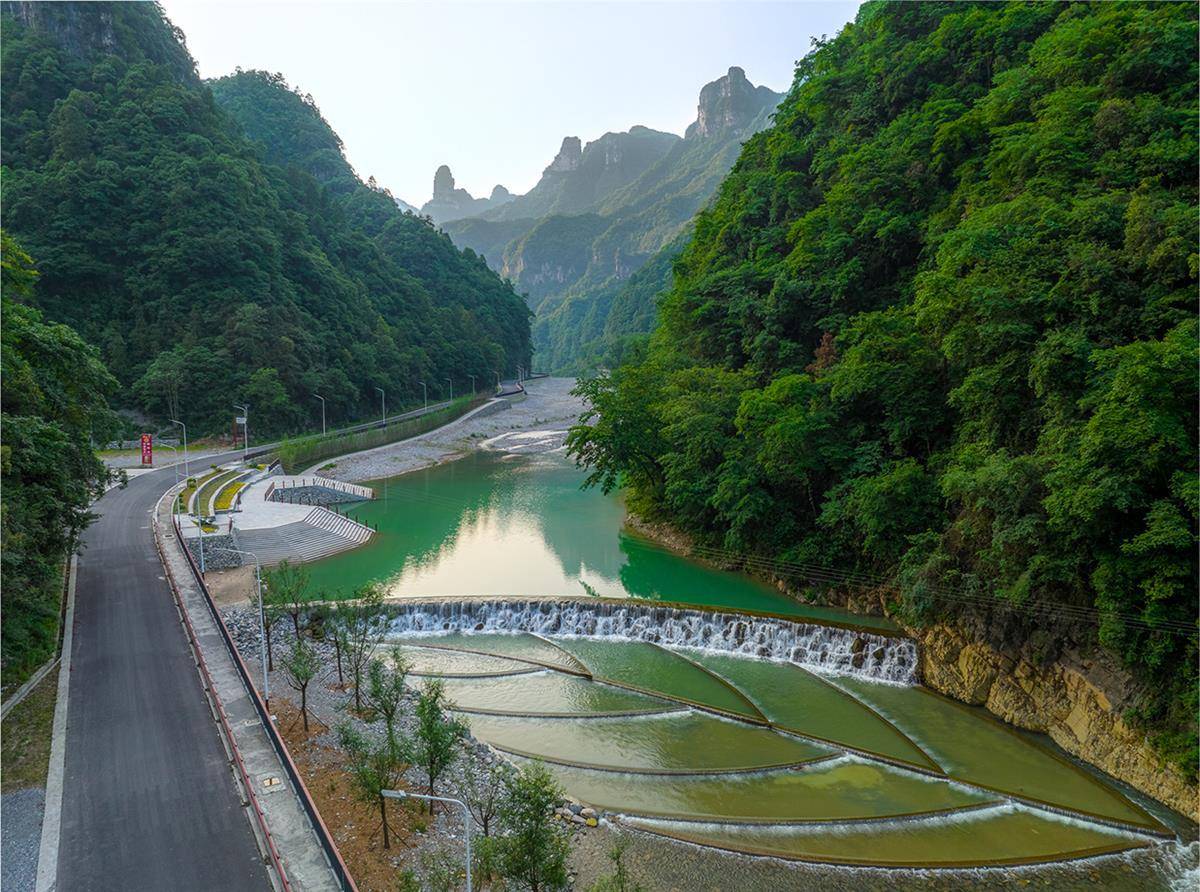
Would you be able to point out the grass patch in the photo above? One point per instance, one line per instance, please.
(300, 452)
(25, 737)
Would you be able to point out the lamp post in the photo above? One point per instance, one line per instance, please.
(322, 399)
(262, 623)
(472, 377)
(383, 399)
(175, 463)
(404, 794)
(425, 391)
(186, 472)
(451, 389)
(245, 432)
(499, 386)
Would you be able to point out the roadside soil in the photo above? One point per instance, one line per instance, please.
(231, 588)
(536, 423)
(26, 732)
(353, 823)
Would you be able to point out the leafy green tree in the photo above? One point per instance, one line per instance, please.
(375, 766)
(532, 852)
(364, 625)
(288, 587)
(438, 735)
(53, 403)
(385, 688)
(301, 665)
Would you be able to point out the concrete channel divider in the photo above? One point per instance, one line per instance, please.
(296, 842)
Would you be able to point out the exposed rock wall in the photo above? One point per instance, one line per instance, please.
(1078, 701)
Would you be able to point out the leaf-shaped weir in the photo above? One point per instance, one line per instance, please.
(973, 747)
(665, 743)
(1005, 835)
(797, 700)
(649, 668)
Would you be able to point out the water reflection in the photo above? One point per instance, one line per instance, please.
(501, 525)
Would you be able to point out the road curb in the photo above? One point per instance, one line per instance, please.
(47, 870)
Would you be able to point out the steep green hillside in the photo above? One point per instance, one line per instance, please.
(213, 261)
(939, 327)
(571, 244)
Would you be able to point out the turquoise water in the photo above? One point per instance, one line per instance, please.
(520, 526)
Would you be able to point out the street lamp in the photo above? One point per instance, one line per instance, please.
(425, 391)
(451, 389)
(186, 472)
(245, 432)
(499, 386)
(404, 794)
(472, 377)
(174, 463)
(262, 623)
(322, 399)
(383, 398)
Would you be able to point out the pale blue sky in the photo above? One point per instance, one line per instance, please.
(492, 88)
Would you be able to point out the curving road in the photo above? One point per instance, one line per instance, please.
(149, 800)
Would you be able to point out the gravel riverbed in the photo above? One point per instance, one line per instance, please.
(538, 422)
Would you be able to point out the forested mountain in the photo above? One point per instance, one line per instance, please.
(602, 211)
(939, 327)
(221, 252)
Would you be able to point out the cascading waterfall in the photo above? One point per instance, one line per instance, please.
(829, 649)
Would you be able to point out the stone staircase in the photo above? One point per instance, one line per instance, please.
(318, 535)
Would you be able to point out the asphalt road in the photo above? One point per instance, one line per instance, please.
(149, 801)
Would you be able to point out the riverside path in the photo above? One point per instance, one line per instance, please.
(149, 801)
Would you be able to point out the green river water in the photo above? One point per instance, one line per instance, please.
(521, 526)
(708, 747)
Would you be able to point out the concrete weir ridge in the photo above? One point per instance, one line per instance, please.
(825, 648)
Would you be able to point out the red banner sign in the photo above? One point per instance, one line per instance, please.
(147, 450)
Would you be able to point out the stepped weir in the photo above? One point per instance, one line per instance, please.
(829, 649)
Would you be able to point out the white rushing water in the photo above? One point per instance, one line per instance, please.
(828, 649)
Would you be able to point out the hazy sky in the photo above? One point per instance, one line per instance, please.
(492, 88)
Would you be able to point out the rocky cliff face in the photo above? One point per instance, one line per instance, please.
(451, 203)
(1077, 700)
(568, 157)
(728, 105)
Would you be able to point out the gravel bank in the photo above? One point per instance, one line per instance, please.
(22, 838)
(537, 423)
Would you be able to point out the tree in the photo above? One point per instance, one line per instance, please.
(288, 585)
(375, 766)
(483, 791)
(52, 403)
(385, 688)
(437, 735)
(335, 634)
(301, 666)
(533, 850)
(365, 625)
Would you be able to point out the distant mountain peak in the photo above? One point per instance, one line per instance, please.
(450, 203)
(568, 157)
(443, 181)
(729, 104)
